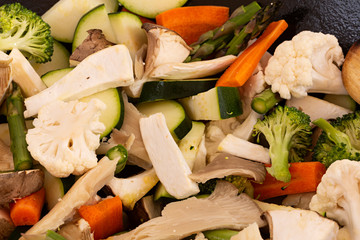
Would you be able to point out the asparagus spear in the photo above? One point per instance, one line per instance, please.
(218, 38)
(264, 101)
(17, 128)
(256, 25)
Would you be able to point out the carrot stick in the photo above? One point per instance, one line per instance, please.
(27, 210)
(104, 218)
(242, 68)
(191, 22)
(142, 19)
(305, 177)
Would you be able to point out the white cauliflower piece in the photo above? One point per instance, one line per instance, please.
(307, 63)
(338, 194)
(66, 135)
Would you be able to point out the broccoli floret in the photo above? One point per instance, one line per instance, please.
(209, 186)
(288, 132)
(23, 29)
(340, 139)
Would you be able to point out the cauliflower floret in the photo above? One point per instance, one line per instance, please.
(307, 63)
(338, 195)
(66, 135)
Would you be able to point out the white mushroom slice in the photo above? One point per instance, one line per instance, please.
(251, 232)
(137, 152)
(25, 75)
(164, 46)
(200, 160)
(224, 208)
(245, 149)
(225, 164)
(245, 129)
(139, 62)
(300, 224)
(107, 68)
(317, 108)
(5, 74)
(190, 70)
(76, 230)
(80, 193)
(166, 157)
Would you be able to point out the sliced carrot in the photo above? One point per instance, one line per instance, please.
(142, 19)
(27, 210)
(305, 177)
(191, 22)
(104, 218)
(242, 68)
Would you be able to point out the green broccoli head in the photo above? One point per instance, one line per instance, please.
(239, 182)
(288, 132)
(23, 29)
(339, 139)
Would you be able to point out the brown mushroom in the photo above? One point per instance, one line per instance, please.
(6, 225)
(351, 71)
(20, 184)
(94, 42)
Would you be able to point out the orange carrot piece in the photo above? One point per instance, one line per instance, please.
(305, 177)
(242, 68)
(104, 218)
(142, 19)
(27, 210)
(191, 22)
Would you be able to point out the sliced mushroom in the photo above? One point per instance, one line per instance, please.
(300, 224)
(164, 46)
(6, 225)
(94, 42)
(167, 159)
(6, 158)
(5, 74)
(299, 200)
(224, 208)
(225, 164)
(190, 70)
(20, 184)
(79, 229)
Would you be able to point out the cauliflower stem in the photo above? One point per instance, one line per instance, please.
(288, 132)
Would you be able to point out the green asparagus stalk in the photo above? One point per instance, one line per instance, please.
(265, 101)
(17, 129)
(217, 38)
(256, 25)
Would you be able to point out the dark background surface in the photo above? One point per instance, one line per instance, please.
(338, 17)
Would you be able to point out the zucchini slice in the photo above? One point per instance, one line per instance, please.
(177, 121)
(112, 116)
(96, 18)
(215, 104)
(174, 89)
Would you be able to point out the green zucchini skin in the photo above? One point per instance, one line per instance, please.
(229, 102)
(215, 104)
(177, 121)
(174, 89)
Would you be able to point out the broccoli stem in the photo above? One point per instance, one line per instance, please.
(118, 152)
(279, 155)
(17, 129)
(265, 101)
(334, 135)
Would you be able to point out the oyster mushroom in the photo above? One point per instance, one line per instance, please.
(224, 208)
(225, 164)
(164, 46)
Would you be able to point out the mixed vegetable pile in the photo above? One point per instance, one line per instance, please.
(171, 122)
